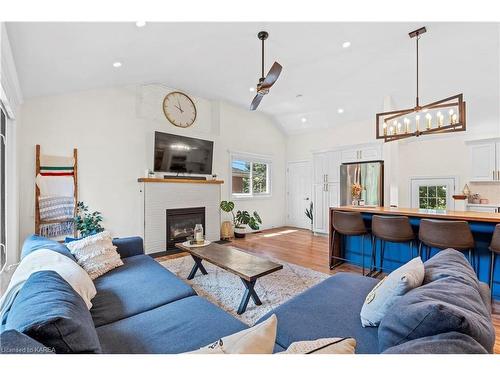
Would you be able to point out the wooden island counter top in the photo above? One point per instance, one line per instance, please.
(486, 217)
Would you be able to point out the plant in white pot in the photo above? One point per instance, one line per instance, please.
(241, 219)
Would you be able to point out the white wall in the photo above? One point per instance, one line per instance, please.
(113, 130)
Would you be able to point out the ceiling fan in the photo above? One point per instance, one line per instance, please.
(266, 82)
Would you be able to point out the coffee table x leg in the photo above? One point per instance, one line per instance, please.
(249, 292)
(197, 265)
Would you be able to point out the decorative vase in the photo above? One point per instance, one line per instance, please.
(239, 232)
(226, 230)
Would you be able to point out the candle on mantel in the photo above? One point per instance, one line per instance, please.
(440, 119)
(417, 121)
(407, 125)
(450, 112)
(428, 118)
(454, 118)
(391, 130)
(385, 128)
(399, 128)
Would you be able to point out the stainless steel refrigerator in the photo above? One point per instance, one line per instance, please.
(370, 175)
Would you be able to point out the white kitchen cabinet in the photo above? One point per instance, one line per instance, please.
(361, 153)
(485, 163)
(326, 167)
(319, 203)
(325, 196)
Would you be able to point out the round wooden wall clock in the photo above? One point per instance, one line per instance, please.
(179, 109)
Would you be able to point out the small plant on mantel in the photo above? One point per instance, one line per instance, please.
(87, 223)
(241, 219)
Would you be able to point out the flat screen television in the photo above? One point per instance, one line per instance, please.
(178, 154)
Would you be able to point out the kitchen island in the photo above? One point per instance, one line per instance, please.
(482, 225)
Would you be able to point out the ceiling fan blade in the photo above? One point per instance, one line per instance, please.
(256, 102)
(272, 76)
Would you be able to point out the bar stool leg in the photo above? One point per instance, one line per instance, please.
(492, 272)
(411, 250)
(428, 252)
(372, 260)
(382, 251)
(420, 249)
(331, 246)
(363, 254)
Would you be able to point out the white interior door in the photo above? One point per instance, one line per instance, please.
(299, 193)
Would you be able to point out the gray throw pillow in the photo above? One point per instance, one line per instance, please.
(389, 290)
(450, 262)
(444, 305)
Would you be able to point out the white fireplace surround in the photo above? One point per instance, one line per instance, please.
(160, 196)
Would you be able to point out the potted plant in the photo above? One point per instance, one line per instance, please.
(241, 219)
(87, 223)
(309, 214)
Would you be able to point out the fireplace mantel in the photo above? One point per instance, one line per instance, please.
(179, 181)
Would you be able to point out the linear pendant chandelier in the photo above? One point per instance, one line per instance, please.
(443, 116)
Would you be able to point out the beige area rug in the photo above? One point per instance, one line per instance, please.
(226, 290)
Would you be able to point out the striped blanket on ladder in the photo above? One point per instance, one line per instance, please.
(56, 204)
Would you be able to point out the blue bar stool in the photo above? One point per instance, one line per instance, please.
(348, 224)
(389, 229)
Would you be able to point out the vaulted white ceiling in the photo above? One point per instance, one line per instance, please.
(222, 61)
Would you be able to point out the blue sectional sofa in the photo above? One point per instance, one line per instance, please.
(143, 308)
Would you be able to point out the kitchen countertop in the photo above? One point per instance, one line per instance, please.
(488, 217)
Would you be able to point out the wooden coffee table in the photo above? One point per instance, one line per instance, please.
(246, 266)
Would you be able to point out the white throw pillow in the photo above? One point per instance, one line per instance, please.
(96, 254)
(258, 339)
(335, 345)
(389, 289)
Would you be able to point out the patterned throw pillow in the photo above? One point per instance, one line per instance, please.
(389, 290)
(96, 254)
(335, 345)
(258, 339)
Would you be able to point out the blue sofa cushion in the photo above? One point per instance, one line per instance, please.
(141, 284)
(444, 343)
(36, 242)
(48, 310)
(178, 327)
(444, 305)
(14, 342)
(329, 309)
(129, 246)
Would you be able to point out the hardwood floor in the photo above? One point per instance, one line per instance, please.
(301, 247)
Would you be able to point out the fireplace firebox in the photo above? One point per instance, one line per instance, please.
(180, 225)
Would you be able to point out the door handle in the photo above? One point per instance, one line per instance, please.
(326, 177)
(326, 186)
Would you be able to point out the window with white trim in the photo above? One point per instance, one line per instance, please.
(433, 193)
(250, 176)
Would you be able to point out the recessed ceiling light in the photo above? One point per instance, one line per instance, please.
(346, 44)
(303, 119)
(340, 110)
(117, 64)
(252, 89)
(140, 23)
